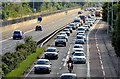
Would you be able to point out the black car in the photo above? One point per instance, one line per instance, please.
(38, 27)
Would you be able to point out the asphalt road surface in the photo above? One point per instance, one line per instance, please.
(8, 45)
(98, 63)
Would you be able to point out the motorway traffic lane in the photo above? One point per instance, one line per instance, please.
(100, 62)
(59, 66)
(8, 45)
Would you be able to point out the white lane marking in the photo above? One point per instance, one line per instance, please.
(99, 52)
(67, 57)
(57, 73)
(32, 30)
(88, 57)
(60, 68)
(104, 73)
(100, 57)
(29, 73)
(101, 62)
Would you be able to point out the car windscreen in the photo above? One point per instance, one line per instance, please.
(76, 20)
(71, 24)
(68, 77)
(79, 37)
(84, 26)
(51, 50)
(82, 17)
(67, 27)
(65, 30)
(80, 29)
(77, 46)
(43, 62)
(78, 54)
(60, 37)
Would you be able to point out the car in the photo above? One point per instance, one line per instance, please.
(73, 26)
(42, 66)
(18, 34)
(77, 47)
(38, 27)
(92, 14)
(79, 39)
(79, 53)
(80, 12)
(79, 57)
(68, 76)
(67, 31)
(88, 24)
(60, 40)
(83, 34)
(92, 20)
(80, 30)
(89, 16)
(64, 33)
(77, 21)
(68, 27)
(86, 27)
(86, 18)
(51, 52)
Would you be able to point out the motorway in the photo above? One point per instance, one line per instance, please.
(8, 45)
(98, 62)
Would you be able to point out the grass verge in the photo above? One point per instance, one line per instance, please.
(24, 65)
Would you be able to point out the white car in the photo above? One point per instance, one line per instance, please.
(80, 30)
(73, 26)
(67, 31)
(79, 57)
(60, 40)
(42, 65)
(79, 39)
(77, 47)
(86, 27)
(83, 34)
(64, 33)
(68, 76)
(51, 53)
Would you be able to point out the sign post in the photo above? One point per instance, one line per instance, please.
(39, 19)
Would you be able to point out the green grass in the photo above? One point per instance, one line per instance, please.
(24, 65)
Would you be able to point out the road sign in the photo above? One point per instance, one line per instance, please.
(40, 19)
(66, 11)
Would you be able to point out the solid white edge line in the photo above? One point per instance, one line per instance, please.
(29, 72)
(88, 58)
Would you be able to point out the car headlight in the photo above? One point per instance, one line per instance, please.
(46, 54)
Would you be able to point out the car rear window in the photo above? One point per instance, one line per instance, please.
(68, 77)
(78, 54)
(43, 62)
(51, 50)
(16, 32)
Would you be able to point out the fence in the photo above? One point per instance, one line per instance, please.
(9, 22)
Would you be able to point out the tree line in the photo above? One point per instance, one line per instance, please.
(14, 10)
(115, 31)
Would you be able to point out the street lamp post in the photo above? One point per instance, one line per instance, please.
(108, 19)
(5, 11)
(112, 17)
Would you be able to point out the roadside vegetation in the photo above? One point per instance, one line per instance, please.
(13, 10)
(115, 32)
(16, 63)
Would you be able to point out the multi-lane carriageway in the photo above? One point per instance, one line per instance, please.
(98, 61)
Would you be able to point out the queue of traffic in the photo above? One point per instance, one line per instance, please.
(81, 25)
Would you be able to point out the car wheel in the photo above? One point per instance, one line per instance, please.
(65, 44)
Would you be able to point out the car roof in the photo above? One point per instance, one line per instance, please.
(62, 32)
(42, 60)
(60, 35)
(78, 45)
(78, 57)
(17, 30)
(68, 74)
(51, 48)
